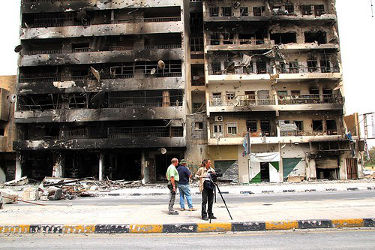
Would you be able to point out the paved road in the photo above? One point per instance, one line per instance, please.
(327, 239)
(230, 198)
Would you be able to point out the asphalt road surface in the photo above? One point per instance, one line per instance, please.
(322, 239)
(230, 198)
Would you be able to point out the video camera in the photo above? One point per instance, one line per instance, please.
(215, 175)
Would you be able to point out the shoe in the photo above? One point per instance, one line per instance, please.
(182, 209)
(173, 213)
(212, 217)
(192, 209)
(204, 218)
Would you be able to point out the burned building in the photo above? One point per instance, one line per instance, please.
(117, 88)
(7, 127)
(101, 88)
(273, 70)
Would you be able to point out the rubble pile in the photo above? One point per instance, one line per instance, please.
(52, 188)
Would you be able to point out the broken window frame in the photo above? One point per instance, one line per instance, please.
(214, 11)
(258, 10)
(226, 11)
(265, 127)
(252, 125)
(317, 125)
(244, 11)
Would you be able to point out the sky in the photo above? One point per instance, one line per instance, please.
(356, 30)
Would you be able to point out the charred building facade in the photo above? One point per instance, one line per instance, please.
(101, 88)
(272, 68)
(117, 88)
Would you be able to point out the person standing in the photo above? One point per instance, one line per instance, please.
(183, 186)
(206, 187)
(173, 178)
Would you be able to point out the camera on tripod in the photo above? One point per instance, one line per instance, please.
(215, 175)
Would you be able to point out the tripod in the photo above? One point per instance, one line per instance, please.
(221, 195)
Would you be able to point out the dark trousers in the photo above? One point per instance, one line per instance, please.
(172, 196)
(207, 197)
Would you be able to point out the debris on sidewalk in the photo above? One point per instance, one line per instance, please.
(30, 194)
(9, 196)
(23, 181)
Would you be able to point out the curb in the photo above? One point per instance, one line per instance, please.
(186, 228)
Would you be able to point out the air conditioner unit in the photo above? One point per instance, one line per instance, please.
(219, 119)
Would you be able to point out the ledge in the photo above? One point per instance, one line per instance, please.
(102, 30)
(74, 144)
(105, 114)
(127, 84)
(273, 140)
(101, 57)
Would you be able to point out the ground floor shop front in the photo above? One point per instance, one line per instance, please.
(285, 162)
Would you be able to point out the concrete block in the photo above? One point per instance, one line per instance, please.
(30, 194)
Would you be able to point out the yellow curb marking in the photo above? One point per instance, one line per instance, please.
(76, 229)
(214, 227)
(139, 228)
(348, 223)
(281, 225)
(15, 229)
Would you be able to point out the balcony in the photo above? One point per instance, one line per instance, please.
(227, 141)
(285, 103)
(239, 44)
(35, 6)
(135, 27)
(54, 108)
(303, 72)
(115, 137)
(112, 54)
(242, 103)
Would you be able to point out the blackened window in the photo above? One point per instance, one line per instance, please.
(244, 11)
(252, 125)
(226, 11)
(214, 11)
(317, 125)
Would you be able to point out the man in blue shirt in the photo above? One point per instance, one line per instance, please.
(183, 186)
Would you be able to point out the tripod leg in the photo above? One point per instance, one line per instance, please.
(218, 189)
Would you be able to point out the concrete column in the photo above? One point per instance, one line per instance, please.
(58, 167)
(145, 169)
(281, 165)
(311, 173)
(101, 166)
(18, 172)
(166, 99)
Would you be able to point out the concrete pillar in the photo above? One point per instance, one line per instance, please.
(58, 166)
(18, 172)
(281, 165)
(343, 173)
(145, 169)
(101, 166)
(166, 99)
(311, 171)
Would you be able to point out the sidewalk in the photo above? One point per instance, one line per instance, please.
(321, 186)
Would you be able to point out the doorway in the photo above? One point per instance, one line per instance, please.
(265, 171)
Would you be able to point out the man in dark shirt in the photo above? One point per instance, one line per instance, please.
(183, 186)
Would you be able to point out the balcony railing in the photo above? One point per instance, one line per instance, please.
(149, 20)
(70, 20)
(308, 133)
(310, 99)
(144, 132)
(158, 101)
(304, 69)
(242, 101)
(214, 42)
